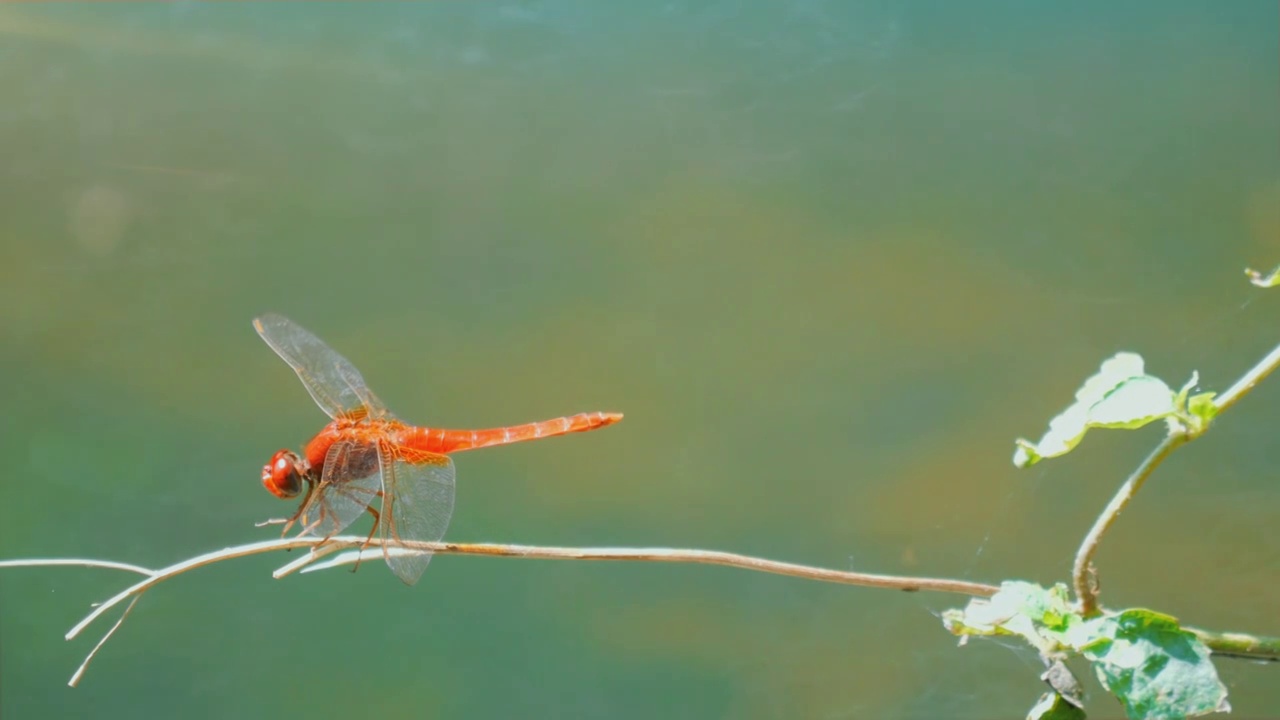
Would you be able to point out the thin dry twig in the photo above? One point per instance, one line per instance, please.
(320, 549)
(706, 557)
(79, 673)
(1082, 575)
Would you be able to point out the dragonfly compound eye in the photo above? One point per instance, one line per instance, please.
(281, 476)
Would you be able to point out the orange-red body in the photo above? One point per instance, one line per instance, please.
(368, 431)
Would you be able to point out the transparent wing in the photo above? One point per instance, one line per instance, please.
(334, 383)
(417, 503)
(351, 481)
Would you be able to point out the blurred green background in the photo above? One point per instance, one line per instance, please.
(830, 258)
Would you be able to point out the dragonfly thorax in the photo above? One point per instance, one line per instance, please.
(283, 476)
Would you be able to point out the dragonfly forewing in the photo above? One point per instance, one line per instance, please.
(334, 383)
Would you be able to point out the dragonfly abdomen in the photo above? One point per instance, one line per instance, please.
(439, 440)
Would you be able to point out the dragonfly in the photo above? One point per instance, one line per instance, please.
(366, 453)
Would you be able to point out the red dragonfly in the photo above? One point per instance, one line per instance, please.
(366, 453)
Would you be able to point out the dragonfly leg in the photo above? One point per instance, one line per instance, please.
(299, 514)
(310, 527)
(377, 518)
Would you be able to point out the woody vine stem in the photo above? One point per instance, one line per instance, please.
(1083, 574)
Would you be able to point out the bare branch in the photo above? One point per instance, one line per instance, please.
(52, 562)
(320, 548)
(706, 557)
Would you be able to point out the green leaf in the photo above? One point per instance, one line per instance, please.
(1036, 614)
(1155, 668)
(1263, 281)
(1119, 395)
(1202, 408)
(1053, 706)
(1197, 411)
(1133, 403)
(1041, 617)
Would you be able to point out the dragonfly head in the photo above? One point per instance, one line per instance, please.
(283, 476)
